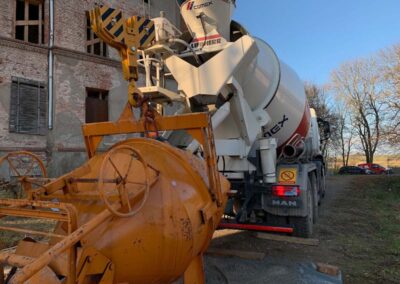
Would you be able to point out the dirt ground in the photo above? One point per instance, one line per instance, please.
(358, 229)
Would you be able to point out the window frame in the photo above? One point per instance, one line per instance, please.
(93, 40)
(41, 106)
(26, 23)
(101, 95)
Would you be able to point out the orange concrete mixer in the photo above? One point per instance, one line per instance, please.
(141, 212)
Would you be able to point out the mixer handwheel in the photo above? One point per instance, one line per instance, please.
(123, 181)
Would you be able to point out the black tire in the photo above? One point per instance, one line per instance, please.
(303, 226)
(323, 185)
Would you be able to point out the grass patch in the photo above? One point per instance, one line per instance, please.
(10, 239)
(372, 247)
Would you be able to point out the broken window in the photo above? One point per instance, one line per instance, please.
(28, 107)
(29, 23)
(96, 105)
(94, 45)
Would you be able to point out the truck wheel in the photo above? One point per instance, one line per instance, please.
(303, 226)
(315, 198)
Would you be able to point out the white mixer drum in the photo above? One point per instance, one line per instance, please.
(270, 84)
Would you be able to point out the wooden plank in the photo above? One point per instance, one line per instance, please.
(225, 233)
(328, 269)
(288, 239)
(236, 253)
(28, 22)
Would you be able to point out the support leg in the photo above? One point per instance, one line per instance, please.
(195, 272)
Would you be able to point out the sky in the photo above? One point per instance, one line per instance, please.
(315, 36)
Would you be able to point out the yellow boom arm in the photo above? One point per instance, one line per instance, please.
(125, 35)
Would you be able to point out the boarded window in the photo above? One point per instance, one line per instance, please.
(96, 105)
(28, 107)
(94, 45)
(29, 23)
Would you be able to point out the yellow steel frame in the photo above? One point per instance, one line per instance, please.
(198, 125)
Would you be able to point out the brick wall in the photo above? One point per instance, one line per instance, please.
(71, 17)
(72, 77)
(6, 18)
(26, 64)
(74, 71)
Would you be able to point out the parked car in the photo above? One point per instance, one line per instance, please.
(353, 170)
(375, 168)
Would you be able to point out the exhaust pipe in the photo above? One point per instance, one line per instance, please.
(291, 152)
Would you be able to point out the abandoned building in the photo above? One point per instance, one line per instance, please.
(55, 75)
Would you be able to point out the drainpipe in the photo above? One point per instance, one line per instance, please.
(50, 109)
(149, 7)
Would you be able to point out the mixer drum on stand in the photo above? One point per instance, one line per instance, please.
(175, 221)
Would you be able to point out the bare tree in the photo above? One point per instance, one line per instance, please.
(390, 68)
(358, 83)
(317, 99)
(345, 133)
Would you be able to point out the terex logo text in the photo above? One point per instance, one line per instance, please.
(192, 5)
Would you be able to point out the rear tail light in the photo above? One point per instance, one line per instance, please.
(286, 190)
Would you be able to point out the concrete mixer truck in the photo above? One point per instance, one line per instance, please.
(144, 211)
(267, 138)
